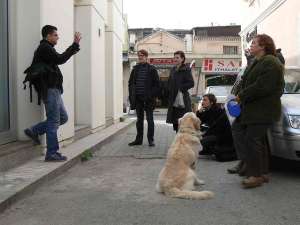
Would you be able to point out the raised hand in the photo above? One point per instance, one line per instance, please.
(77, 37)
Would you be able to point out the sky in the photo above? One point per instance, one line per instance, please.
(181, 14)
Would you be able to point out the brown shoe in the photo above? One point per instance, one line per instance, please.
(266, 178)
(252, 182)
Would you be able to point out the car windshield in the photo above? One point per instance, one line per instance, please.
(220, 90)
(292, 82)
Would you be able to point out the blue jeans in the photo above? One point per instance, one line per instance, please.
(56, 116)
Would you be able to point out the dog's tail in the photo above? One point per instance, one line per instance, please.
(185, 194)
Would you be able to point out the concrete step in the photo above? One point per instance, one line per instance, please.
(81, 131)
(109, 121)
(25, 179)
(17, 153)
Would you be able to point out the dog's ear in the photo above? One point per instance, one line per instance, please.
(197, 123)
(179, 121)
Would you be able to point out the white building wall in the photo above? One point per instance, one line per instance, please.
(114, 70)
(83, 66)
(25, 16)
(98, 71)
(188, 42)
(280, 20)
(90, 68)
(256, 8)
(99, 5)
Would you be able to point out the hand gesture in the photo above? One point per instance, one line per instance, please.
(77, 37)
(237, 99)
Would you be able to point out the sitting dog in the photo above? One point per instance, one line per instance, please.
(178, 178)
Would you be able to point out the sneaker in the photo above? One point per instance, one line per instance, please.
(35, 137)
(57, 157)
(135, 143)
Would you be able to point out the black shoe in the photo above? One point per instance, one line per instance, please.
(235, 169)
(135, 143)
(35, 137)
(57, 157)
(151, 144)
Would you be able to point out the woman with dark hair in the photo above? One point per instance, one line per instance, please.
(180, 81)
(216, 127)
(259, 96)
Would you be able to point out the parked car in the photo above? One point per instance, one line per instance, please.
(221, 93)
(284, 135)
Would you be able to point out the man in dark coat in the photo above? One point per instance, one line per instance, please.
(143, 89)
(55, 110)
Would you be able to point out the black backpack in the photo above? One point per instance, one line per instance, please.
(35, 76)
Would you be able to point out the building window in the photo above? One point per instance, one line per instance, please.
(4, 90)
(201, 33)
(230, 50)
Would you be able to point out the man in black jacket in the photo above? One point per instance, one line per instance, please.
(55, 110)
(143, 89)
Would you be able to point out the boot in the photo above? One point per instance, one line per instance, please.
(252, 182)
(266, 178)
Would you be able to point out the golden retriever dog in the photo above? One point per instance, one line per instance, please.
(178, 178)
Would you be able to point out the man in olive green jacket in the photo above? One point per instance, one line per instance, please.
(259, 97)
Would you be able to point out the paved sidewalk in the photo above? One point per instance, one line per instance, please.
(23, 180)
(164, 136)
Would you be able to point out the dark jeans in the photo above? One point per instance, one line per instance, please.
(250, 142)
(141, 106)
(56, 116)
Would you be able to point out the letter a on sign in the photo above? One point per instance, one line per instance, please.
(230, 64)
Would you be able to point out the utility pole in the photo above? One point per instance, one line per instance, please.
(198, 80)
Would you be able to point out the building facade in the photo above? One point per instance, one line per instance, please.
(215, 51)
(92, 79)
(278, 18)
